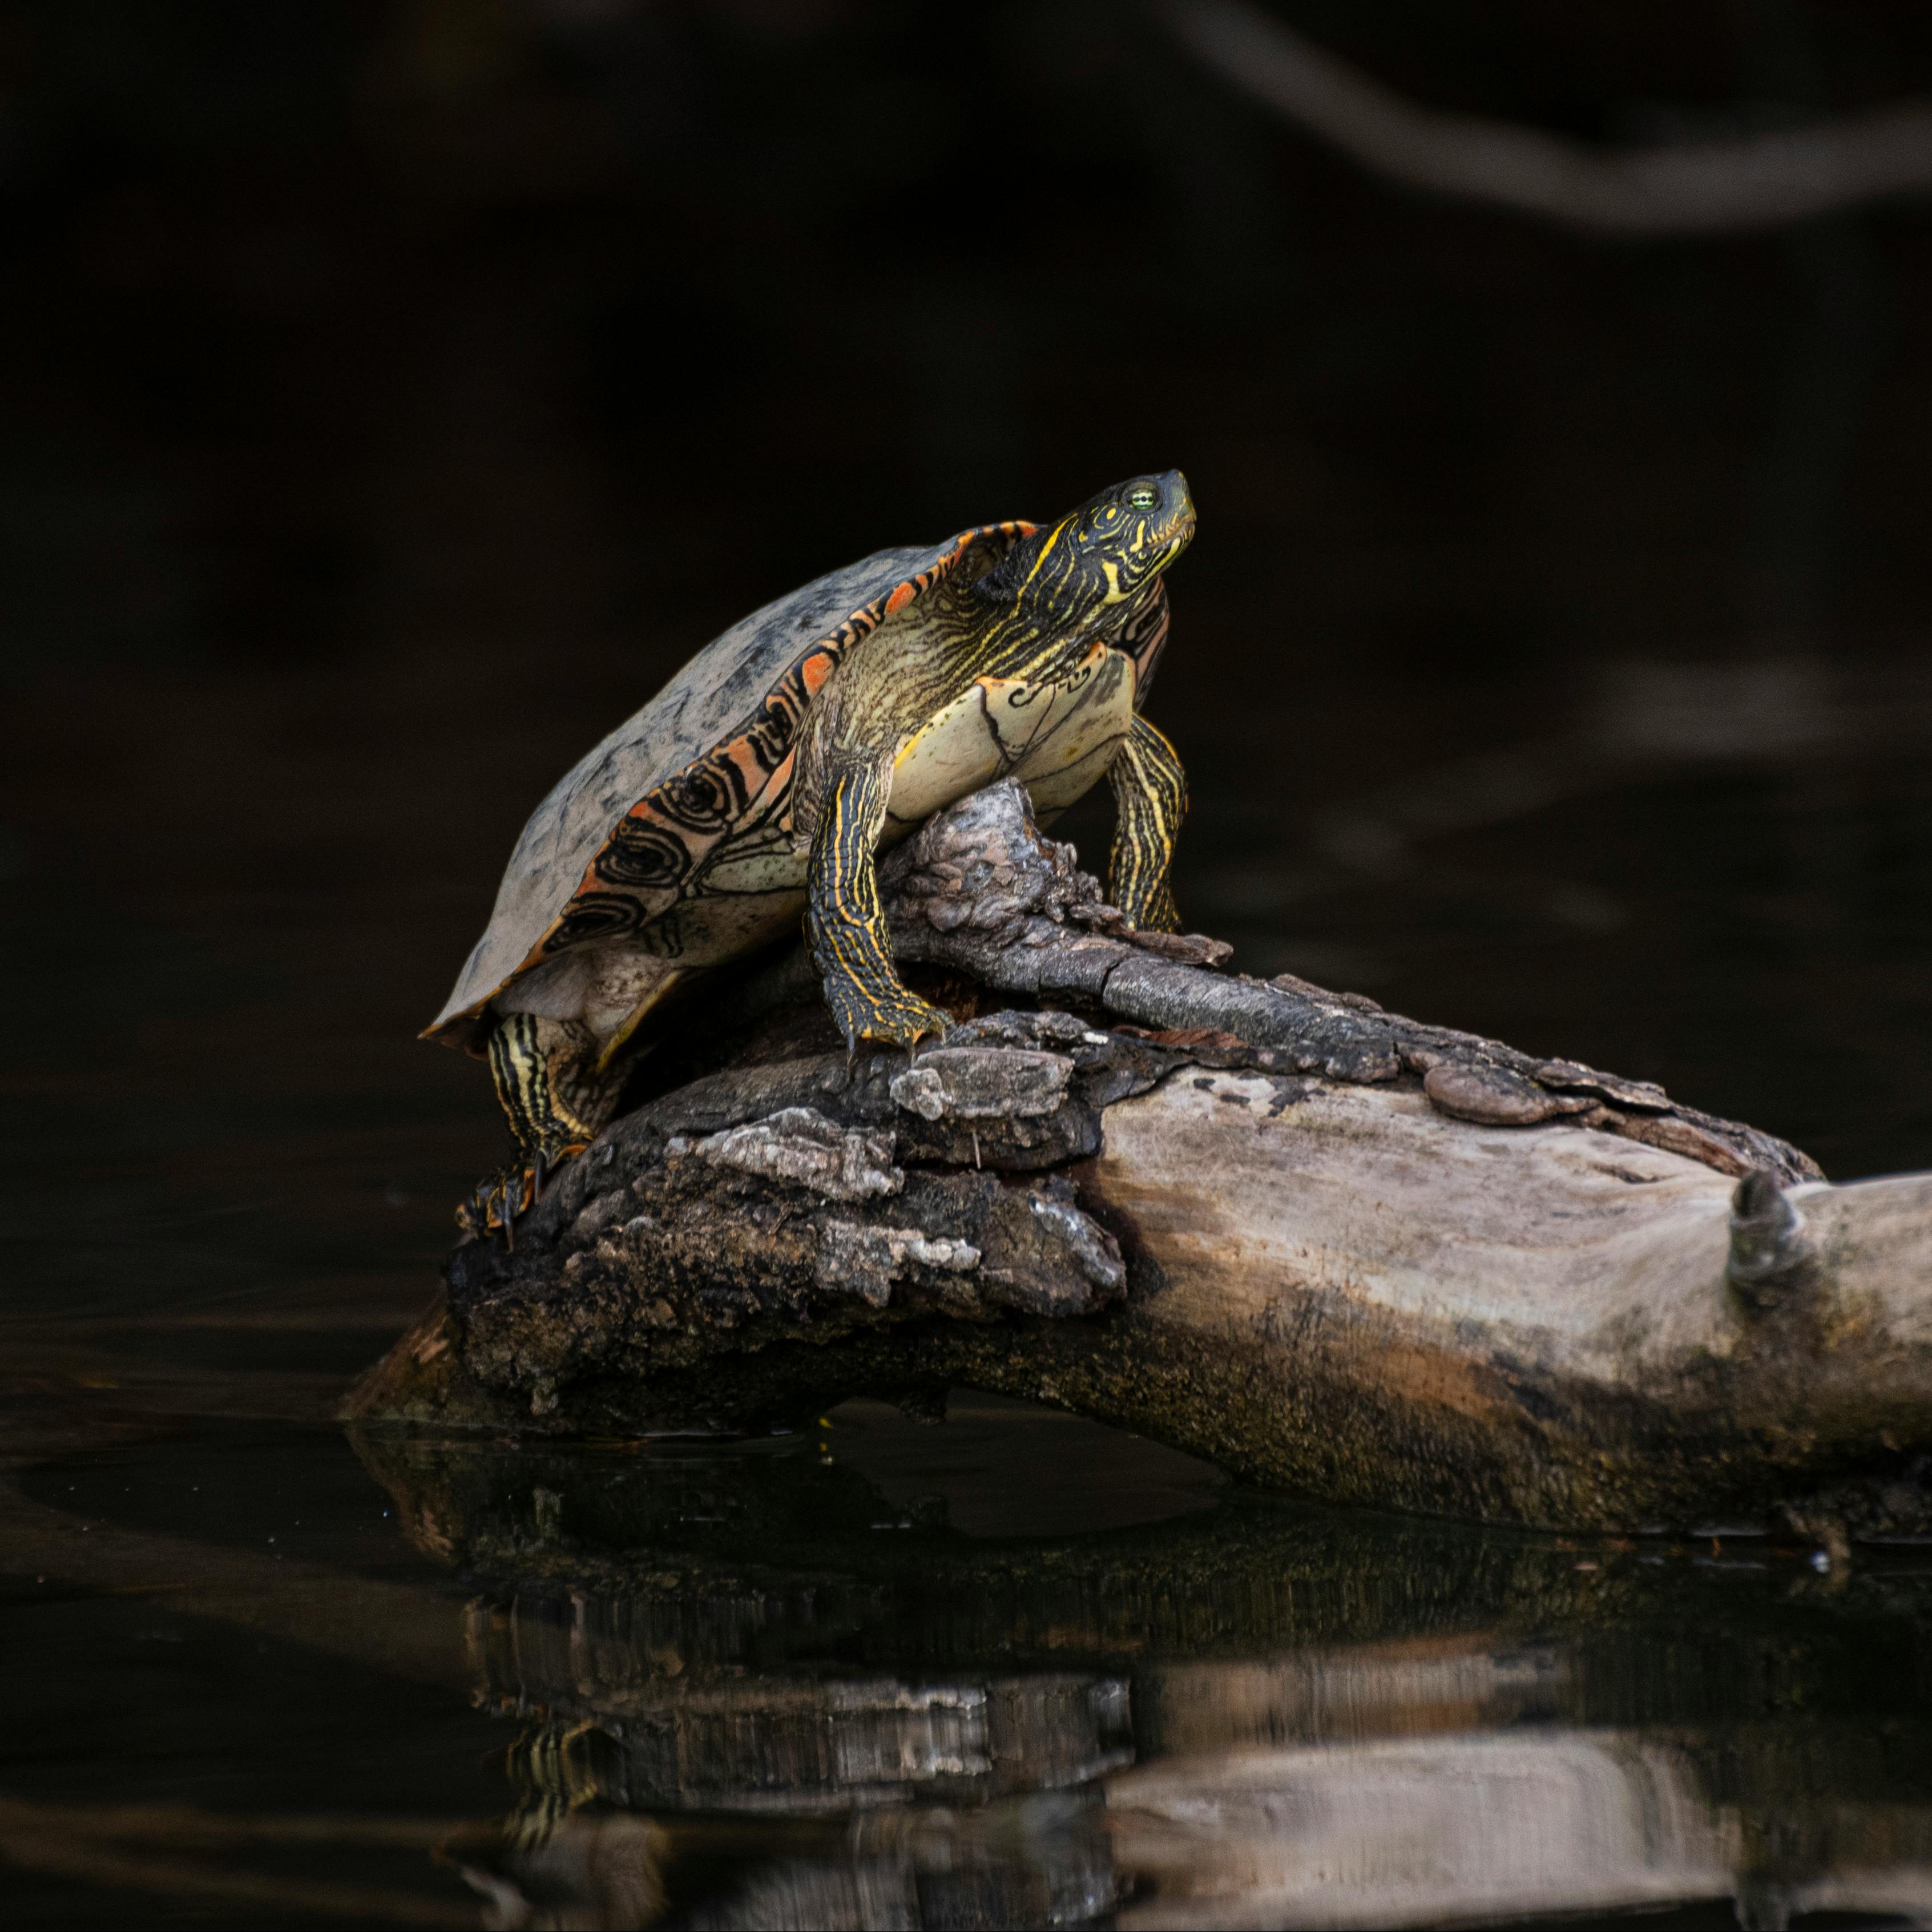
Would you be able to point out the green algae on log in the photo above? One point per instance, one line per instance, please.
(1335, 1251)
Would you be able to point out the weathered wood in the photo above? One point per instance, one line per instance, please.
(1333, 1250)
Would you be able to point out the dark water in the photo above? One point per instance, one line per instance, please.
(1013, 1670)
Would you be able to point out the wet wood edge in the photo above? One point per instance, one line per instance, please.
(1338, 1251)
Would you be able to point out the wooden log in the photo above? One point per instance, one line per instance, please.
(1335, 1250)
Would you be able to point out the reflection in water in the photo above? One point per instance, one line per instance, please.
(739, 1688)
(775, 1683)
(1411, 1833)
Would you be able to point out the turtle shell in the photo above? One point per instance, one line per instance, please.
(627, 831)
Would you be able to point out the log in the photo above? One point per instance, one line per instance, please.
(1335, 1251)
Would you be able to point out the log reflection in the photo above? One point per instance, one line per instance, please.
(745, 1691)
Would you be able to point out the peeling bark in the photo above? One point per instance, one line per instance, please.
(1334, 1250)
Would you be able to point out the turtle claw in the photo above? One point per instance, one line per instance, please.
(500, 1200)
(897, 1018)
(493, 1203)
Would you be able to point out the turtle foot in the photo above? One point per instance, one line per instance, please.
(894, 1018)
(500, 1201)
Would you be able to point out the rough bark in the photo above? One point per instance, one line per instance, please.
(1333, 1250)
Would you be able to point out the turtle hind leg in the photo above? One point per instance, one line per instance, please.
(1149, 802)
(555, 1098)
(847, 926)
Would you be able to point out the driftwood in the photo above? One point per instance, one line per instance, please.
(1332, 1249)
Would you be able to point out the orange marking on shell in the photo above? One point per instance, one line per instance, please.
(810, 674)
(591, 883)
(744, 754)
(780, 782)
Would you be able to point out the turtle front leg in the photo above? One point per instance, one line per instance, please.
(847, 929)
(1149, 802)
(556, 1098)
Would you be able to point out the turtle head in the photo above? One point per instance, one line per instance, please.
(1067, 575)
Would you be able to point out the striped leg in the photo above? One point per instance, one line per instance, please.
(847, 929)
(553, 1770)
(1149, 802)
(556, 1101)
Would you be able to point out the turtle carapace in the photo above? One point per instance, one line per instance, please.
(760, 782)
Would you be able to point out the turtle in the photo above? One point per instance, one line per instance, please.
(758, 785)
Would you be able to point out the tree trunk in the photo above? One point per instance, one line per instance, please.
(1332, 1249)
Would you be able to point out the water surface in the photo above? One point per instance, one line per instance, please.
(1012, 1669)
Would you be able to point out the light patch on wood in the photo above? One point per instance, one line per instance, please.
(1877, 1235)
(1560, 1239)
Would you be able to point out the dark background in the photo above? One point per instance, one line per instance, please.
(392, 394)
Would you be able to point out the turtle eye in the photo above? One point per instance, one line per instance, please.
(1144, 498)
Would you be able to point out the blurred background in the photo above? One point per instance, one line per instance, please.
(394, 392)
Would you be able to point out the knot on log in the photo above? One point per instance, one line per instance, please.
(982, 866)
(983, 874)
(1769, 1250)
